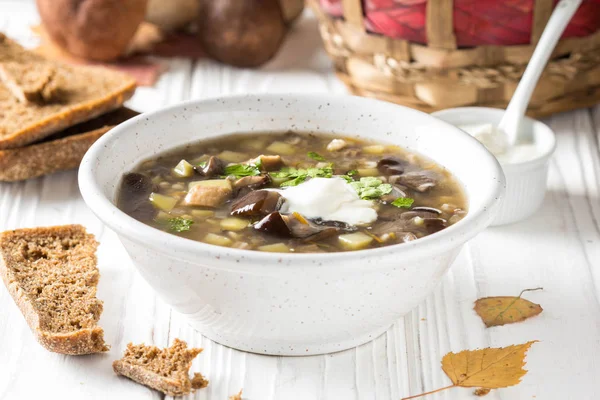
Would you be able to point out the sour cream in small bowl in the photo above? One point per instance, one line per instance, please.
(525, 165)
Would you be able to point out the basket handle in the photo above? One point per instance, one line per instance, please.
(353, 13)
(440, 24)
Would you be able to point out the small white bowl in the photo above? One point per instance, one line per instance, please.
(525, 181)
(290, 304)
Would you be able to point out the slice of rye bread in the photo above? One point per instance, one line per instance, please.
(166, 370)
(69, 94)
(52, 276)
(61, 151)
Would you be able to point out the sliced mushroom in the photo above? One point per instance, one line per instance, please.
(406, 236)
(287, 226)
(274, 224)
(408, 215)
(257, 203)
(434, 225)
(137, 188)
(342, 226)
(213, 167)
(393, 195)
(391, 165)
(421, 181)
(252, 182)
(269, 163)
(207, 196)
(428, 209)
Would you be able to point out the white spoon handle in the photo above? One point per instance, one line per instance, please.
(518, 104)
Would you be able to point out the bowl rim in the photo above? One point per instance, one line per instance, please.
(189, 250)
(544, 130)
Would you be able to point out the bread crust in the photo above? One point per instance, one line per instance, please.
(169, 386)
(83, 341)
(81, 102)
(60, 152)
(46, 158)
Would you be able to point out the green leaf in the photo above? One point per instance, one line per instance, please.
(180, 224)
(202, 164)
(352, 172)
(403, 202)
(371, 188)
(294, 182)
(315, 156)
(240, 170)
(297, 176)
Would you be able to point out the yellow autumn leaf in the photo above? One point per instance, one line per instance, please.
(482, 392)
(497, 311)
(489, 368)
(237, 396)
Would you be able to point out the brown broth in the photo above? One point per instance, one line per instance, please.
(421, 179)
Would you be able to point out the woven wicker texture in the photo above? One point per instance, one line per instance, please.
(435, 54)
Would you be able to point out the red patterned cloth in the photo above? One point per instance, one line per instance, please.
(476, 22)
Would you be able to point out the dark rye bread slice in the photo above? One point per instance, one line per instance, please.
(65, 95)
(59, 152)
(52, 276)
(166, 370)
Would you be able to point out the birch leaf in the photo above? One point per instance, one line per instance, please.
(502, 310)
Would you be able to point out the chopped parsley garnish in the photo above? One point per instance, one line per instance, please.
(202, 164)
(352, 172)
(296, 176)
(403, 202)
(315, 156)
(369, 188)
(180, 224)
(240, 170)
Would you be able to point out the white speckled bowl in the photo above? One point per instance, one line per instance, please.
(290, 304)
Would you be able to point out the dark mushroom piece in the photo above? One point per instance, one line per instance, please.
(408, 215)
(421, 181)
(391, 165)
(342, 226)
(257, 204)
(427, 209)
(393, 195)
(434, 225)
(137, 188)
(252, 182)
(213, 167)
(288, 226)
(274, 224)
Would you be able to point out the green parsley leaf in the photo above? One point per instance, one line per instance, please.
(180, 224)
(202, 164)
(240, 170)
(298, 175)
(315, 156)
(369, 188)
(403, 202)
(352, 172)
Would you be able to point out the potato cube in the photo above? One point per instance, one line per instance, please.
(355, 241)
(281, 148)
(217, 240)
(162, 202)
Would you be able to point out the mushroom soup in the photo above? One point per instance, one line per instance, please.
(293, 192)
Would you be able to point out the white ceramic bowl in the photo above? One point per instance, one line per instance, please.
(289, 304)
(525, 181)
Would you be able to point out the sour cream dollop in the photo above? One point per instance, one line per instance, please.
(331, 199)
(496, 142)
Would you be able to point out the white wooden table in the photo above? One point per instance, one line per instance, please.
(558, 249)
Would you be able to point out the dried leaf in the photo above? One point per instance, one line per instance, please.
(497, 311)
(481, 392)
(490, 368)
(237, 396)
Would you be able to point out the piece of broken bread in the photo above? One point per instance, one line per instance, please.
(59, 152)
(39, 97)
(166, 370)
(52, 276)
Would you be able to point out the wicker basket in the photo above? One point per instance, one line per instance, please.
(439, 74)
